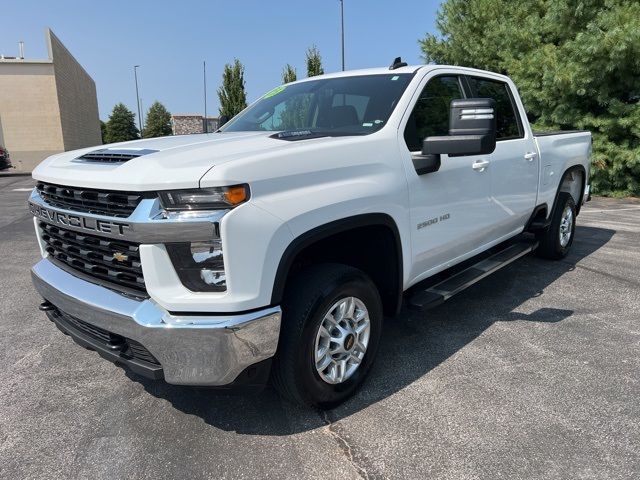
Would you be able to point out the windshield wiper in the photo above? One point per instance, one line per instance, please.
(292, 135)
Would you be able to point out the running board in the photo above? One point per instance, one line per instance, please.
(438, 293)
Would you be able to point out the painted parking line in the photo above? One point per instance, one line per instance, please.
(22, 189)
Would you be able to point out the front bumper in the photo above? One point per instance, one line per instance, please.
(191, 349)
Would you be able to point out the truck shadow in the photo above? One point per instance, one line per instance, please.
(413, 344)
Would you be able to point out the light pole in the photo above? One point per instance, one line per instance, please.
(342, 29)
(205, 127)
(135, 74)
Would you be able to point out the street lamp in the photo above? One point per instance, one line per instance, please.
(342, 29)
(135, 74)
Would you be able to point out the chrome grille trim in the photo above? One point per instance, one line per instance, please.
(147, 224)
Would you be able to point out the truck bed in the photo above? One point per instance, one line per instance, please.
(557, 132)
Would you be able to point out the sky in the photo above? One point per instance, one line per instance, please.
(170, 41)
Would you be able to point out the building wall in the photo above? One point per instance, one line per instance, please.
(29, 111)
(187, 124)
(76, 97)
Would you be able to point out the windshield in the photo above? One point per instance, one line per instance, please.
(331, 106)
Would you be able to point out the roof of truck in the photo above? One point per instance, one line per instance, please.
(386, 71)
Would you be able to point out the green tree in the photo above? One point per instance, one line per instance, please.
(103, 131)
(289, 74)
(576, 64)
(157, 122)
(121, 125)
(314, 62)
(233, 98)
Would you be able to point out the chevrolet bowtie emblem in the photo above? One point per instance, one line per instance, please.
(119, 256)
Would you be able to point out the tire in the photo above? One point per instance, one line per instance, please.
(312, 294)
(553, 246)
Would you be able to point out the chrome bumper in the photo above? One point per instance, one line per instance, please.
(192, 349)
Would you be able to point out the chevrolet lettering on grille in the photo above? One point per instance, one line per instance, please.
(79, 221)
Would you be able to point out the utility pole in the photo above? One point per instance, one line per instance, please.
(135, 74)
(342, 29)
(205, 127)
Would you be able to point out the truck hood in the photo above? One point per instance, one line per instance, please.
(166, 162)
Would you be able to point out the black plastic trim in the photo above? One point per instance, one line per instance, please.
(536, 211)
(325, 231)
(140, 367)
(564, 176)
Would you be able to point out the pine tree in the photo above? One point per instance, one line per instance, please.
(576, 64)
(158, 121)
(289, 74)
(233, 98)
(121, 125)
(314, 62)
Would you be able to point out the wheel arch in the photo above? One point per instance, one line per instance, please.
(569, 184)
(317, 241)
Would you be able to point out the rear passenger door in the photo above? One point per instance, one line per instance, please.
(514, 163)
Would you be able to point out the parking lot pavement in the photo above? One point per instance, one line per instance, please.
(531, 373)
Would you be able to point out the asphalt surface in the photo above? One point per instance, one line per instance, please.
(531, 373)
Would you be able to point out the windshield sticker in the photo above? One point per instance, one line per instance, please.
(275, 91)
(395, 77)
(368, 124)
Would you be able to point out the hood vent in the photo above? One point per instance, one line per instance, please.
(114, 155)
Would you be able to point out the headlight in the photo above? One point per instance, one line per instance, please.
(200, 265)
(204, 198)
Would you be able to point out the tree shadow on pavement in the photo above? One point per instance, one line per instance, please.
(412, 345)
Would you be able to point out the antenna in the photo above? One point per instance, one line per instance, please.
(397, 63)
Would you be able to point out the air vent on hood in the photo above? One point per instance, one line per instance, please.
(114, 155)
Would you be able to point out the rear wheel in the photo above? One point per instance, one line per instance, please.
(556, 241)
(332, 320)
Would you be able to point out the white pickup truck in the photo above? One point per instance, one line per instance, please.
(274, 247)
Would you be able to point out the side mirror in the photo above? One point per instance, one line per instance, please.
(472, 129)
(222, 119)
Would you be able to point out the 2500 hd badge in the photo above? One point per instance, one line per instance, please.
(78, 221)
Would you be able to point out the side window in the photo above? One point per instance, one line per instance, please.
(507, 114)
(430, 116)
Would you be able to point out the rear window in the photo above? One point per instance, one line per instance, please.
(507, 114)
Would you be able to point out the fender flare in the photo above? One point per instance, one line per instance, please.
(562, 179)
(327, 230)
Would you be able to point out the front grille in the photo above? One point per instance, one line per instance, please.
(98, 202)
(115, 263)
(128, 348)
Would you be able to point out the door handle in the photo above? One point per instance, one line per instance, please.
(480, 165)
(530, 156)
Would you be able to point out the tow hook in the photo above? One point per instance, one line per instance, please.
(46, 306)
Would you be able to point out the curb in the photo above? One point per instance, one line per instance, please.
(16, 174)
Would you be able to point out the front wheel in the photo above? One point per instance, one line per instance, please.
(332, 321)
(556, 240)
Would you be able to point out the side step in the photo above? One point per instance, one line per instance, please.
(438, 293)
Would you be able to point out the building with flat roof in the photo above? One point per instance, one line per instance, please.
(46, 106)
(185, 124)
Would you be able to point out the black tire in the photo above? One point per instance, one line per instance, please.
(550, 246)
(307, 299)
